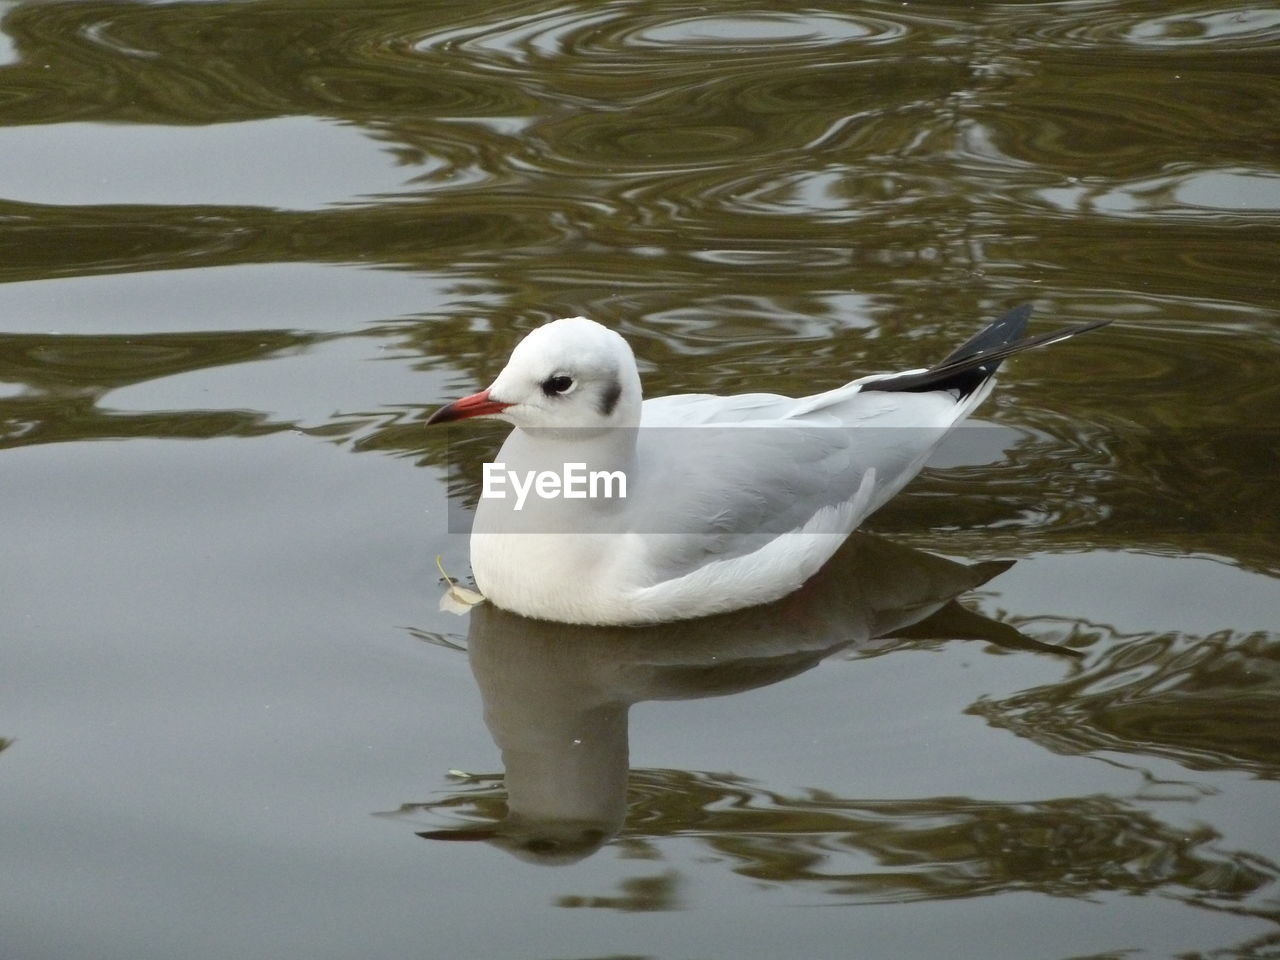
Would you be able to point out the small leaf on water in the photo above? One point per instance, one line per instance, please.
(459, 600)
(456, 600)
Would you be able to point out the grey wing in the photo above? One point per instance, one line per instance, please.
(734, 473)
(720, 492)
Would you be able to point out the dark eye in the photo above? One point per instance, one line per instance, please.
(557, 385)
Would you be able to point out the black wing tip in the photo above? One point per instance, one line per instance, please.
(1006, 329)
(977, 359)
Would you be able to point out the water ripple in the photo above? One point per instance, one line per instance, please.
(896, 851)
(1077, 120)
(765, 28)
(1235, 26)
(1205, 702)
(1230, 195)
(623, 40)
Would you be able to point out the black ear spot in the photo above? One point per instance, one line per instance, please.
(609, 397)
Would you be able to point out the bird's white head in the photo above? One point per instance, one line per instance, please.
(567, 374)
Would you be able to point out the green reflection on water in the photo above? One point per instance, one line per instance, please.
(891, 851)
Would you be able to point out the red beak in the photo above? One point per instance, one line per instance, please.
(476, 405)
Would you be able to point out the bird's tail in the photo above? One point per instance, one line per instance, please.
(974, 362)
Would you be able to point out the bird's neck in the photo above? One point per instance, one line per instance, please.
(611, 448)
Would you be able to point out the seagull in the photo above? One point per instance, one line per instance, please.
(705, 504)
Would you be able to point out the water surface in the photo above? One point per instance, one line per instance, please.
(246, 247)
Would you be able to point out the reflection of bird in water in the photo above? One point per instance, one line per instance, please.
(556, 696)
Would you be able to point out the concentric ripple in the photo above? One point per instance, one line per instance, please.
(718, 33)
(1236, 26)
(620, 39)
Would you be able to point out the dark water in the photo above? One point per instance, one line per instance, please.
(253, 243)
